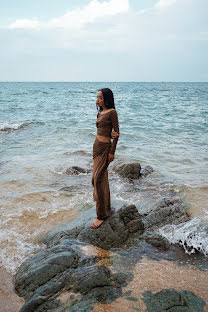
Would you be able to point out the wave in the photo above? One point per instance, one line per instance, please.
(10, 126)
(15, 248)
(78, 152)
(192, 235)
(20, 93)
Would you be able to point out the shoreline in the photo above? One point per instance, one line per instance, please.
(9, 300)
(152, 268)
(149, 275)
(139, 266)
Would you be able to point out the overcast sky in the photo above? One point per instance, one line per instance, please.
(104, 40)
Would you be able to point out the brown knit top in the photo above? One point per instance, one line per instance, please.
(105, 124)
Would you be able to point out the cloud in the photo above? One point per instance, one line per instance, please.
(153, 44)
(92, 26)
(25, 24)
(76, 18)
(161, 4)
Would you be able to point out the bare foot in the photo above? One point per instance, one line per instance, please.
(96, 223)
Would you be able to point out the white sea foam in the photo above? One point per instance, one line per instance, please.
(9, 126)
(192, 235)
(12, 126)
(18, 248)
(19, 237)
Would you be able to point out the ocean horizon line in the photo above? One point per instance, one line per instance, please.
(90, 81)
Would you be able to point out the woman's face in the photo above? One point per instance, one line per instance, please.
(100, 99)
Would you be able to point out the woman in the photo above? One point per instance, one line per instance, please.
(103, 153)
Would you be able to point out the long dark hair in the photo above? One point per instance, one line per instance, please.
(108, 98)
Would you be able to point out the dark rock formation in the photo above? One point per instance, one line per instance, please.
(145, 170)
(75, 170)
(124, 224)
(129, 171)
(172, 301)
(113, 233)
(157, 241)
(132, 171)
(164, 212)
(65, 268)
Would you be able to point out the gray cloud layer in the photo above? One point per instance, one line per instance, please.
(167, 42)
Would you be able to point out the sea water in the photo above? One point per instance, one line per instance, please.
(45, 128)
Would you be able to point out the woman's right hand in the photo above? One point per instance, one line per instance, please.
(114, 134)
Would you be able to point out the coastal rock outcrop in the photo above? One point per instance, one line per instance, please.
(165, 211)
(75, 170)
(113, 233)
(157, 241)
(173, 301)
(65, 268)
(132, 171)
(145, 170)
(125, 224)
(129, 171)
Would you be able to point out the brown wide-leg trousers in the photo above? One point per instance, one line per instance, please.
(101, 193)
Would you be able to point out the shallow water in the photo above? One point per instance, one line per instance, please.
(47, 127)
(9, 301)
(155, 276)
(150, 270)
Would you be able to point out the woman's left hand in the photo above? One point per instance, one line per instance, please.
(114, 134)
(110, 157)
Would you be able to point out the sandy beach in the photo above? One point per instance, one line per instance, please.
(9, 301)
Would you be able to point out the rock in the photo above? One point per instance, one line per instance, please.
(164, 212)
(75, 170)
(132, 171)
(64, 269)
(157, 241)
(114, 231)
(60, 269)
(129, 171)
(145, 170)
(42, 267)
(124, 228)
(101, 295)
(50, 306)
(173, 301)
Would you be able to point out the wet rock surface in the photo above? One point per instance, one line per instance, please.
(114, 232)
(157, 241)
(75, 170)
(145, 170)
(166, 211)
(173, 301)
(64, 267)
(124, 226)
(129, 171)
(132, 171)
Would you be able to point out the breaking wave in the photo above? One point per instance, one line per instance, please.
(10, 126)
(192, 235)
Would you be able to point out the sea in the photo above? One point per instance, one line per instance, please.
(47, 127)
